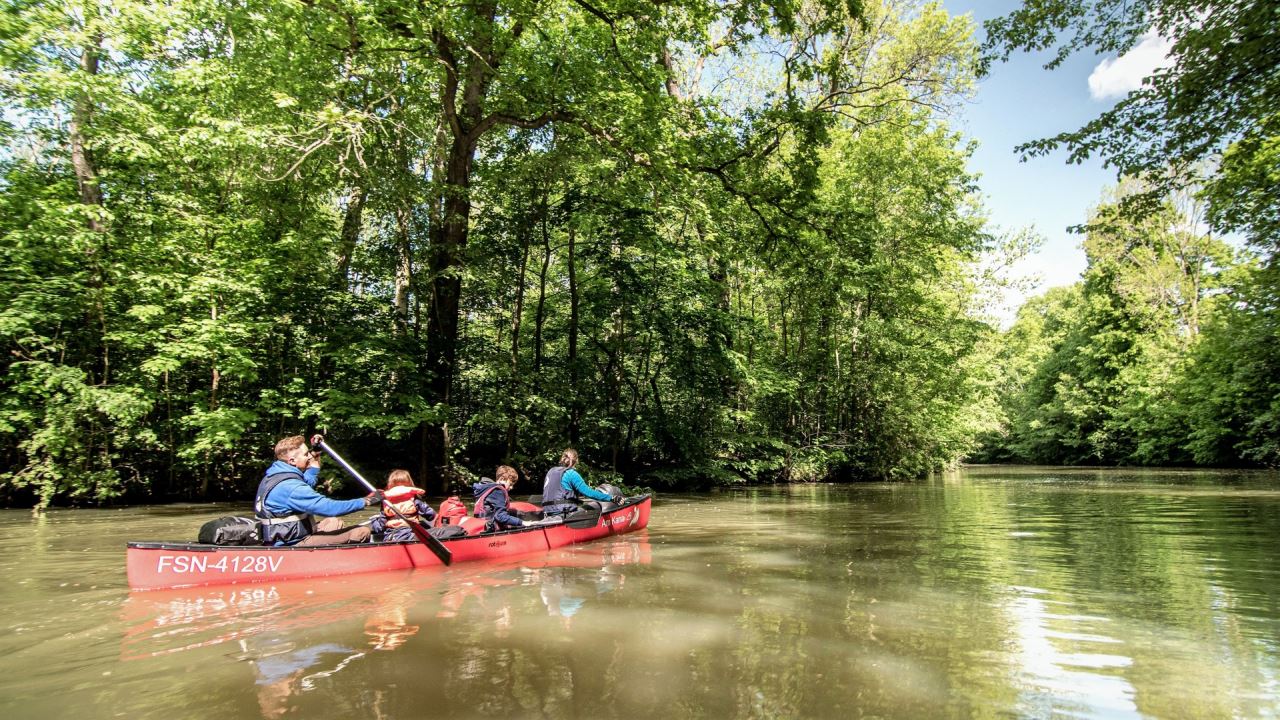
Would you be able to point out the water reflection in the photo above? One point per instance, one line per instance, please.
(282, 670)
(1010, 593)
(388, 627)
(1061, 678)
(260, 618)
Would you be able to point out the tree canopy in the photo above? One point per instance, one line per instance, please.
(702, 242)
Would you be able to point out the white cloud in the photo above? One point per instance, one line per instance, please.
(1116, 77)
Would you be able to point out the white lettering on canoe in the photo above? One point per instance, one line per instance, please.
(183, 564)
(631, 517)
(626, 519)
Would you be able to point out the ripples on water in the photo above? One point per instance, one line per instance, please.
(997, 592)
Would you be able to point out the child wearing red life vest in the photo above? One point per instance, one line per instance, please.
(407, 499)
(492, 500)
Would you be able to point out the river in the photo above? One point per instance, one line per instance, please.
(988, 592)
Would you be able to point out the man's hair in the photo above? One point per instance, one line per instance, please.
(506, 473)
(569, 457)
(288, 445)
(399, 478)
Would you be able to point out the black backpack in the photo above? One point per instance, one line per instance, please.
(230, 531)
(444, 532)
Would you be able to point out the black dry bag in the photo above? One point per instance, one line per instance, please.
(444, 532)
(230, 531)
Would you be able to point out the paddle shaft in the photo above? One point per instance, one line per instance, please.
(423, 536)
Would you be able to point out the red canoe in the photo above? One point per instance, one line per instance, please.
(156, 565)
(162, 622)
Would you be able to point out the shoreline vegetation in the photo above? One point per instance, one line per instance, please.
(705, 244)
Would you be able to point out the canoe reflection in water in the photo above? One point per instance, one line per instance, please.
(564, 593)
(562, 585)
(296, 633)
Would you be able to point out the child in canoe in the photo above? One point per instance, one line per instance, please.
(493, 502)
(406, 498)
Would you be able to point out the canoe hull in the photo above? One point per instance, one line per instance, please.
(156, 565)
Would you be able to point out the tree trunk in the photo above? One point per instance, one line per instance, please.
(470, 64)
(540, 314)
(352, 220)
(214, 381)
(90, 191)
(575, 408)
(404, 265)
(515, 345)
(445, 264)
(81, 156)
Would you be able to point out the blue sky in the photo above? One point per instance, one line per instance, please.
(1022, 101)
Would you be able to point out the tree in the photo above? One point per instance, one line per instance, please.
(1097, 372)
(703, 242)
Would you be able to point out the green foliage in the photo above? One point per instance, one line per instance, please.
(1163, 355)
(703, 243)
(1232, 392)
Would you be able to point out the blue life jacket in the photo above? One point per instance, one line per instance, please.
(278, 529)
(556, 498)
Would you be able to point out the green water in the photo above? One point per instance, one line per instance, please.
(994, 592)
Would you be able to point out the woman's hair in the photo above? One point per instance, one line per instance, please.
(569, 457)
(506, 474)
(399, 478)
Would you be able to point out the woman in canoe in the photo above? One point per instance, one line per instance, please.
(564, 488)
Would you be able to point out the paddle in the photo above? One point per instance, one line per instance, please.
(585, 521)
(419, 532)
(578, 523)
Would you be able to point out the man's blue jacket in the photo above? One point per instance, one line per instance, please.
(298, 495)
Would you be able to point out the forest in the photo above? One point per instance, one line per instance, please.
(705, 243)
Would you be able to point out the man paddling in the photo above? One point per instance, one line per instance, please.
(287, 501)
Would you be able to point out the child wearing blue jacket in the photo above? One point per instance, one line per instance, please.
(493, 498)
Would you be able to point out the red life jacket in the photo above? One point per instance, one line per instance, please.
(478, 511)
(401, 497)
(452, 511)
